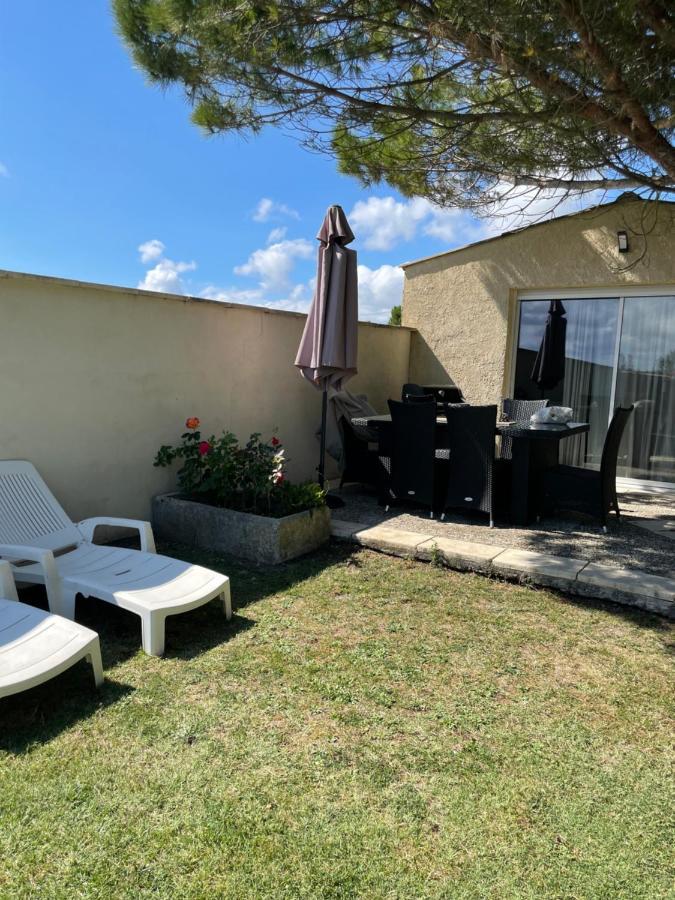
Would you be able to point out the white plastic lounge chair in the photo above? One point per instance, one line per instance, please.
(35, 645)
(47, 548)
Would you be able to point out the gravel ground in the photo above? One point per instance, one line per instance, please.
(626, 544)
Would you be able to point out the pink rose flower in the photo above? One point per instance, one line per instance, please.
(204, 448)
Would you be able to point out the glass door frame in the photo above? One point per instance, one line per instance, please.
(620, 293)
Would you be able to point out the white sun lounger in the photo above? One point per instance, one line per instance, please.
(35, 645)
(47, 548)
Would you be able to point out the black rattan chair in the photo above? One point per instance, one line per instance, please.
(407, 453)
(420, 398)
(516, 411)
(444, 393)
(360, 464)
(471, 441)
(412, 390)
(589, 490)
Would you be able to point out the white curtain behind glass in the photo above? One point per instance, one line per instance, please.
(591, 333)
(646, 377)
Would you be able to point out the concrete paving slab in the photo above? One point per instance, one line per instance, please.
(463, 555)
(629, 581)
(390, 540)
(518, 563)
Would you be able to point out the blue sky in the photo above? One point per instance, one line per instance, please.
(95, 164)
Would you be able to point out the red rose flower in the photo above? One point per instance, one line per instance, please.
(275, 441)
(204, 448)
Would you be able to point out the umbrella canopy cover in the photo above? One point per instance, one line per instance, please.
(327, 352)
(549, 366)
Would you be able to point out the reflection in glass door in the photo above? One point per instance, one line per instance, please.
(646, 377)
(590, 348)
(619, 351)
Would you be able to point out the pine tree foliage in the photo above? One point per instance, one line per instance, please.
(446, 99)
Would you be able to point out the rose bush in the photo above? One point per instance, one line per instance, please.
(249, 479)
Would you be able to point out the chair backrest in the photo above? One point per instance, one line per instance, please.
(356, 458)
(520, 410)
(412, 390)
(471, 439)
(420, 398)
(413, 442)
(516, 411)
(610, 449)
(29, 513)
(444, 393)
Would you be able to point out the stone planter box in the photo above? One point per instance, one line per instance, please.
(258, 538)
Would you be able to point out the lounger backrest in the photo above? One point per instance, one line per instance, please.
(29, 513)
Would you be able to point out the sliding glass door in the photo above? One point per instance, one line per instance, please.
(646, 377)
(619, 351)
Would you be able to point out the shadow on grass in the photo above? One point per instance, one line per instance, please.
(40, 714)
(639, 617)
(251, 583)
(37, 716)
(190, 634)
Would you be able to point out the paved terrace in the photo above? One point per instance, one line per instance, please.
(633, 564)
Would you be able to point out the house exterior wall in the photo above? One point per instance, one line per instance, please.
(94, 379)
(464, 304)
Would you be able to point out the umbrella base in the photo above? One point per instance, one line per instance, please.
(334, 502)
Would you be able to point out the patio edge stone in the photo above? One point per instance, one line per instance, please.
(391, 540)
(539, 568)
(463, 555)
(627, 587)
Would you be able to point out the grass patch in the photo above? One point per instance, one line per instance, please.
(364, 727)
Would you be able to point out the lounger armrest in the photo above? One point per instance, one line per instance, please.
(46, 561)
(7, 586)
(87, 527)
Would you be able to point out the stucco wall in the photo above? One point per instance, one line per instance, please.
(93, 379)
(463, 304)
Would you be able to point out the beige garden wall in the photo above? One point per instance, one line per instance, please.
(464, 304)
(93, 379)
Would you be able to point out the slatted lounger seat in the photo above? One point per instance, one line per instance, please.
(47, 548)
(35, 645)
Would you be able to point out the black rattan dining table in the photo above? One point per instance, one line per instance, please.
(533, 448)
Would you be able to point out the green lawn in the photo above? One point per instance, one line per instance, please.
(364, 727)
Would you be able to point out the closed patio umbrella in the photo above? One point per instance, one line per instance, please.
(327, 352)
(549, 366)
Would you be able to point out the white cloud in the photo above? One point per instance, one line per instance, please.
(4, 171)
(379, 290)
(268, 209)
(151, 250)
(273, 265)
(277, 234)
(166, 277)
(383, 222)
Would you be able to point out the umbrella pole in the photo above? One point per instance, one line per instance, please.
(322, 451)
(332, 501)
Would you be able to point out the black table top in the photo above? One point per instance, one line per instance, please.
(511, 429)
(542, 432)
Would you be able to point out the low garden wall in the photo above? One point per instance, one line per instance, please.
(95, 378)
